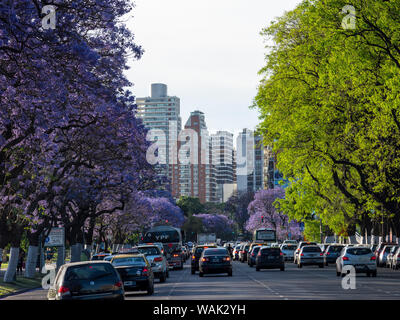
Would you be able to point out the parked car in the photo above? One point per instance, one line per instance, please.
(389, 258)
(299, 246)
(379, 249)
(270, 258)
(153, 255)
(215, 260)
(135, 271)
(244, 252)
(383, 255)
(361, 258)
(197, 251)
(332, 252)
(88, 280)
(288, 251)
(396, 259)
(310, 255)
(251, 261)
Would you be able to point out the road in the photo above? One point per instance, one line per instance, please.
(308, 283)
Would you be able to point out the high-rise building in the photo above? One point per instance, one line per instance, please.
(194, 175)
(273, 178)
(161, 113)
(223, 161)
(250, 162)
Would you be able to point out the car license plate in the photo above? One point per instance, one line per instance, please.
(215, 260)
(129, 283)
(271, 257)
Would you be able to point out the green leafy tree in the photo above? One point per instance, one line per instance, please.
(190, 205)
(329, 106)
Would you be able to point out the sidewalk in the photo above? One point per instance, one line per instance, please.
(20, 286)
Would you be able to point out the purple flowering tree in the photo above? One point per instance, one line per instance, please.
(219, 224)
(264, 214)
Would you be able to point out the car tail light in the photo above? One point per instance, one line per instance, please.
(373, 258)
(176, 255)
(345, 259)
(302, 255)
(63, 290)
(253, 254)
(145, 271)
(158, 259)
(194, 257)
(227, 259)
(118, 284)
(259, 254)
(321, 254)
(281, 253)
(328, 253)
(205, 259)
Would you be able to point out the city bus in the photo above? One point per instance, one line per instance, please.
(264, 235)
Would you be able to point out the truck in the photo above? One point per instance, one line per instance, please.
(171, 238)
(206, 238)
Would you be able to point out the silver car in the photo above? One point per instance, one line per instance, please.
(153, 255)
(288, 251)
(310, 255)
(361, 258)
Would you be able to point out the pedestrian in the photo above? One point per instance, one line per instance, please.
(21, 259)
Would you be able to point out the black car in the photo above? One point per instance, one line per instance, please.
(270, 258)
(251, 261)
(215, 260)
(197, 251)
(135, 271)
(331, 253)
(87, 280)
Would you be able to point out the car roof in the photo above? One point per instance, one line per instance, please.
(129, 255)
(71, 264)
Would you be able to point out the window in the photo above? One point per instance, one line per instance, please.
(311, 249)
(89, 272)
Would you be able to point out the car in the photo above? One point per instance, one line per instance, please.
(389, 258)
(100, 256)
(361, 258)
(244, 252)
(235, 253)
(288, 251)
(153, 255)
(332, 252)
(381, 261)
(135, 271)
(88, 280)
(270, 258)
(396, 259)
(215, 260)
(197, 251)
(299, 246)
(251, 261)
(109, 258)
(310, 255)
(379, 249)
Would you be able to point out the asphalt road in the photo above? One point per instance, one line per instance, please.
(307, 283)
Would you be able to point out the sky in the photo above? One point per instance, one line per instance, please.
(208, 52)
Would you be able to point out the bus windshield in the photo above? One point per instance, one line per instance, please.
(265, 235)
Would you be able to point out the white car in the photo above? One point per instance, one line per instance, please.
(295, 242)
(157, 259)
(361, 258)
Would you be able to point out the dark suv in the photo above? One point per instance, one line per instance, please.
(332, 252)
(270, 258)
(197, 251)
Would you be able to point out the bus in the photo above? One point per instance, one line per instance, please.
(171, 238)
(264, 235)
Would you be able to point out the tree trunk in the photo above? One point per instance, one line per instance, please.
(76, 250)
(31, 261)
(9, 276)
(60, 257)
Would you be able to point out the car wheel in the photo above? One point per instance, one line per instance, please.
(150, 290)
(230, 273)
(163, 277)
(368, 274)
(337, 273)
(167, 273)
(201, 274)
(251, 265)
(283, 268)
(326, 263)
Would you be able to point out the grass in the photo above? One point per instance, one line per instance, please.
(22, 283)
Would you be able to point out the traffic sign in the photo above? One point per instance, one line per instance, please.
(56, 238)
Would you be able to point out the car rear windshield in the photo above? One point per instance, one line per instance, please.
(388, 248)
(216, 252)
(128, 261)
(358, 251)
(89, 272)
(270, 251)
(151, 251)
(335, 248)
(256, 249)
(292, 248)
(311, 249)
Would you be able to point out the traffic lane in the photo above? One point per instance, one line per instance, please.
(182, 285)
(312, 282)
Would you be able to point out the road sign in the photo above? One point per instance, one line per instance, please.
(56, 238)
